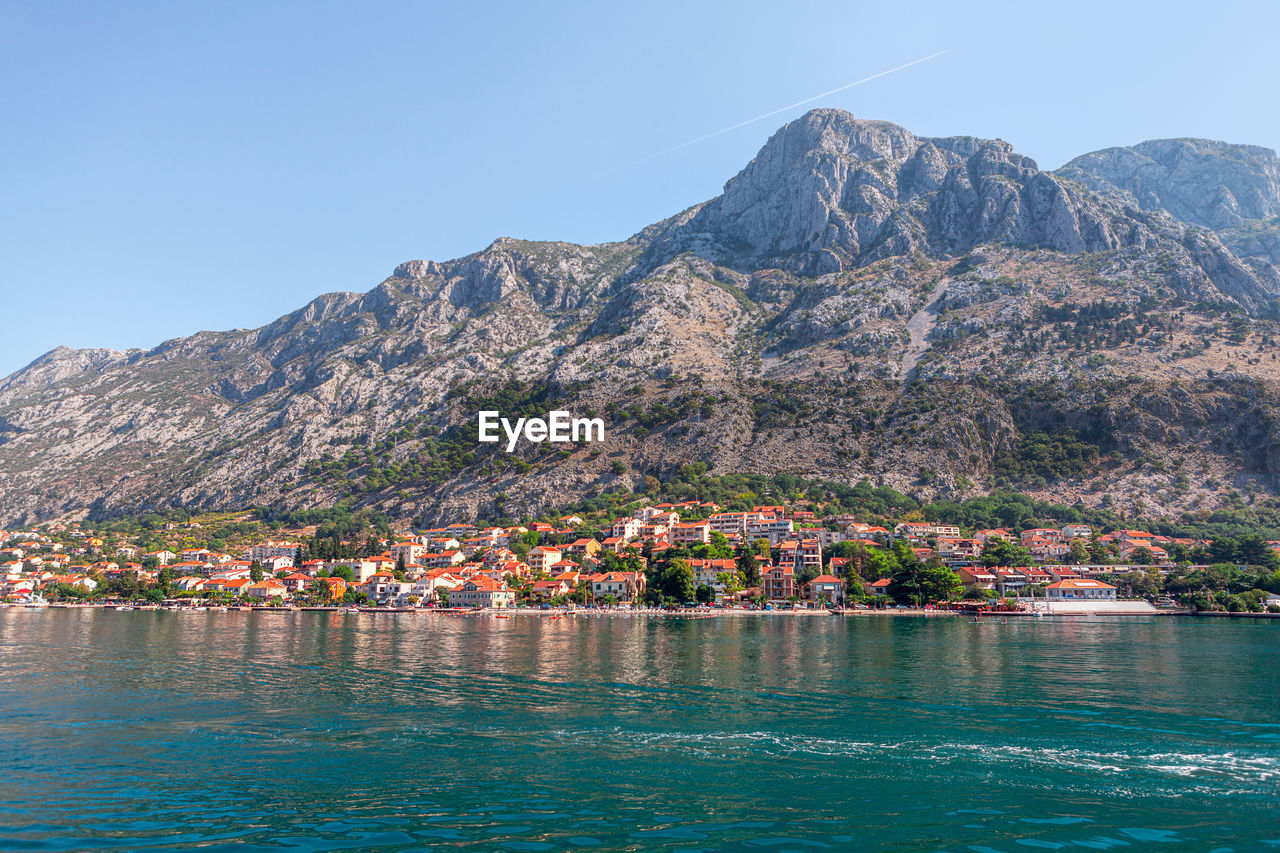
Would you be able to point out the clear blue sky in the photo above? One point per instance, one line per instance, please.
(170, 167)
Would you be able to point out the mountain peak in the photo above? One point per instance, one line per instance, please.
(829, 191)
(836, 132)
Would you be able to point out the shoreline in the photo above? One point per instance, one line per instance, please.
(914, 613)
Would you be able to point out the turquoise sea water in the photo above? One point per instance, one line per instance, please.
(325, 731)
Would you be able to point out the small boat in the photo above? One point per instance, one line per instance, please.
(125, 607)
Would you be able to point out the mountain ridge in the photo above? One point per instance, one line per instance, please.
(850, 261)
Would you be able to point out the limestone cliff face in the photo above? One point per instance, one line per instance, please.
(845, 188)
(1213, 184)
(859, 301)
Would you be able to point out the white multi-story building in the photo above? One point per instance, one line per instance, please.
(708, 572)
(626, 528)
(481, 591)
(772, 528)
(691, 533)
(411, 551)
(543, 557)
(825, 537)
(266, 550)
(732, 522)
(797, 554)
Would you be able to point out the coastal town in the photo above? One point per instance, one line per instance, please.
(661, 555)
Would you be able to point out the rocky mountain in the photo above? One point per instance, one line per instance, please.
(935, 313)
(1213, 184)
(1232, 189)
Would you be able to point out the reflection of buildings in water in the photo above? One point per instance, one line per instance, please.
(630, 650)
(551, 644)
(559, 668)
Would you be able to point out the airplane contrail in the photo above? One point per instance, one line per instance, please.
(723, 130)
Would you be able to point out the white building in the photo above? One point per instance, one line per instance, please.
(266, 550)
(1076, 590)
(773, 529)
(691, 534)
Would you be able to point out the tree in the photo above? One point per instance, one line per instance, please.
(731, 582)
(857, 558)
(905, 585)
(704, 594)
(343, 571)
(804, 575)
(59, 591)
(749, 566)
(677, 581)
(1140, 556)
(1146, 583)
(127, 586)
(998, 552)
(255, 571)
(718, 548)
(1079, 553)
(880, 564)
(938, 583)
(1253, 550)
